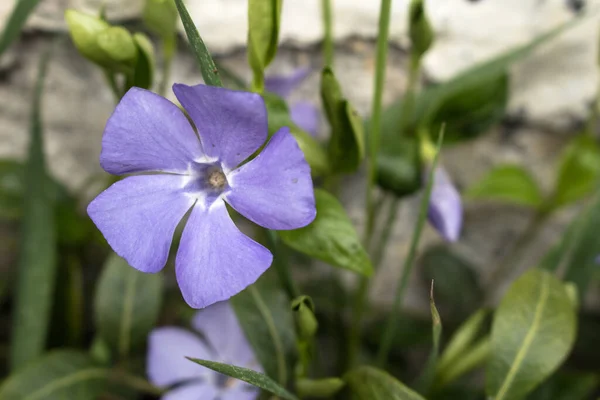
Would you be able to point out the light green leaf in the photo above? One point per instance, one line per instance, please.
(16, 21)
(264, 19)
(532, 334)
(127, 305)
(247, 375)
(346, 146)
(508, 184)
(578, 172)
(576, 253)
(210, 73)
(37, 257)
(144, 67)
(331, 237)
(265, 316)
(367, 383)
(64, 374)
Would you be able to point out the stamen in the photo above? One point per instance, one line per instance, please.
(216, 179)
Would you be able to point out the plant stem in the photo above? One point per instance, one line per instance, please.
(379, 252)
(508, 262)
(169, 46)
(281, 264)
(374, 139)
(328, 27)
(136, 382)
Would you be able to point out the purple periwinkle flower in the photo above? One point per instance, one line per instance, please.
(445, 206)
(302, 113)
(224, 342)
(182, 170)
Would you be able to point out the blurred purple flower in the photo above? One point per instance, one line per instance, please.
(225, 342)
(445, 207)
(138, 215)
(303, 113)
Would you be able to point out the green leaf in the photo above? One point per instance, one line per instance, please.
(346, 146)
(64, 374)
(264, 19)
(12, 176)
(331, 237)
(16, 21)
(127, 305)
(532, 334)
(37, 256)
(279, 116)
(399, 165)
(367, 383)
(144, 67)
(567, 386)
(476, 78)
(474, 356)
(426, 379)
(578, 172)
(247, 375)
(575, 255)
(210, 73)
(508, 184)
(265, 316)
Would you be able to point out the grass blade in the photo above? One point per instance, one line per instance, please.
(15, 22)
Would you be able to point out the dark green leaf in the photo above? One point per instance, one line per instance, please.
(65, 374)
(563, 386)
(509, 184)
(247, 375)
(575, 255)
(457, 289)
(279, 117)
(426, 379)
(37, 257)
(16, 21)
(578, 172)
(346, 146)
(127, 305)
(399, 165)
(367, 383)
(264, 18)
(144, 67)
(331, 237)
(12, 175)
(264, 314)
(210, 73)
(532, 333)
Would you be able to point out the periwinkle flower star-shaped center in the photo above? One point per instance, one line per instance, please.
(183, 170)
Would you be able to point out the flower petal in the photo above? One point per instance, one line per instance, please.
(241, 391)
(445, 207)
(147, 132)
(193, 391)
(138, 217)
(215, 260)
(283, 85)
(232, 124)
(306, 116)
(275, 189)
(167, 364)
(219, 324)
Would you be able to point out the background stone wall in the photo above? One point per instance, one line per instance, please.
(551, 90)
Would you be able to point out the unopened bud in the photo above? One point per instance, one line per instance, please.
(420, 32)
(118, 44)
(84, 30)
(160, 16)
(306, 322)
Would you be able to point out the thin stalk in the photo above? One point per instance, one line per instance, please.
(409, 262)
(328, 28)
(408, 103)
(169, 46)
(112, 84)
(379, 252)
(281, 264)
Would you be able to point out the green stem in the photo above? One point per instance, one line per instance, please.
(112, 84)
(137, 383)
(386, 233)
(408, 102)
(328, 27)
(169, 47)
(281, 264)
(507, 263)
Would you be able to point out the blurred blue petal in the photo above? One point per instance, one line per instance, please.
(284, 85)
(306, 116)
(445, 206)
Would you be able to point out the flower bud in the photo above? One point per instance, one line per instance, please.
(84, 30)
(160, 16)
(306, 322)
(420, 32)
(319, 388)
(118, 44)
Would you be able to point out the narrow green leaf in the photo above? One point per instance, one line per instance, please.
(12, 176)
(331, 237)
(37, 256)
(426, 378)
(64, 374)
(368, 383)
(265, 316)
(247, 375)
(210, 73)
(510, 184)
(578, 171)
(532, 334)
(144, 67)
(473, 357)
(264, 20)
(346, 146)
(127, 305)
(16, 21)
(575, 254)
